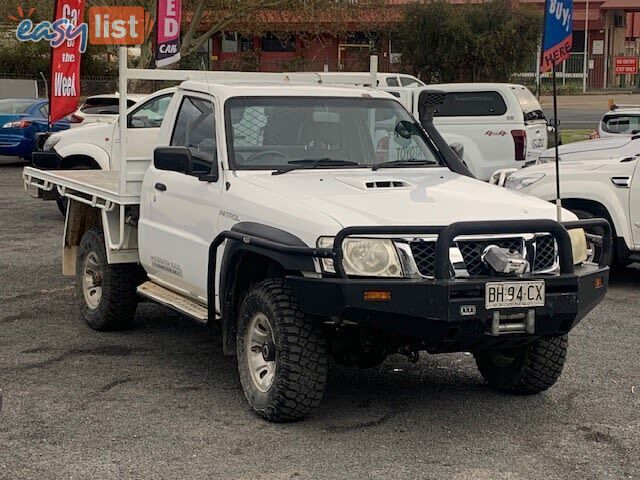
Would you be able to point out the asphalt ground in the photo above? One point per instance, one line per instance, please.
(161, 401)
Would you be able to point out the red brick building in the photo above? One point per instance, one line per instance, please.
(613, 28)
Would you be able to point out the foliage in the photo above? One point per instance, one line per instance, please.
(471, 42)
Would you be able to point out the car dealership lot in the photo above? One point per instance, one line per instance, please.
(161, 401)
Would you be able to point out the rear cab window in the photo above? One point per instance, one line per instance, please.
(471, 104)
(621, 123)
(529, 104)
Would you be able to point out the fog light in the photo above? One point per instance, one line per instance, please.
(598, 282)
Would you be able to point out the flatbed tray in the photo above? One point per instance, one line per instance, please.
(95, 187)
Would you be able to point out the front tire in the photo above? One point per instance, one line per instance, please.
(525, 370)
(282, 355)
(107, 293)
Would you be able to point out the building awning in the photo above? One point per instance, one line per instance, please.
(627, 5)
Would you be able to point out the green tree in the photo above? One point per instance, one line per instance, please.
(472, 42)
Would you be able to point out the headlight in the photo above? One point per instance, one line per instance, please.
(519, 182)
(578, 245)
(50, 143)
(365, 257)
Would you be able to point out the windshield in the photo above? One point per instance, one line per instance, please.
(529, 103)
(282, 132)
(15, 106)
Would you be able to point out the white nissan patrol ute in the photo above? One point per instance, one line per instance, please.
(269, 209)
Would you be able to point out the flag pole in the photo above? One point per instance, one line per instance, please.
(555, 132)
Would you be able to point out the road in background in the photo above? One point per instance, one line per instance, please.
(161, 401)
(577, 112)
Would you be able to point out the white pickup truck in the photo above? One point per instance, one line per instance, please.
(305, 241)
(598, 178)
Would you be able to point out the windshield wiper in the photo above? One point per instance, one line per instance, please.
(411, 162)
(310, 163)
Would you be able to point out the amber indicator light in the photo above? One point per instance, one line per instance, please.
(377, 296)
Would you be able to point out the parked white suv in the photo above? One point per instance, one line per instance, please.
(500, 125)
(101, 109)
(620, 120)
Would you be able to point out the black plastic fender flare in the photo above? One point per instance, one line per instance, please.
(234, 251)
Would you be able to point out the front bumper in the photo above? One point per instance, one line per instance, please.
(435, 313)
(443, 313)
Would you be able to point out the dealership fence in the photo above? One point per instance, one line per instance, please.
(601, 76)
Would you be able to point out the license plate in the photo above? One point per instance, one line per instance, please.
(538, 144)
(514, 294)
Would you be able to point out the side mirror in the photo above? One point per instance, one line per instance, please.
(173, 159)
(458, 149)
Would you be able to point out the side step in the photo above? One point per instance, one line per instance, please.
(175, 301)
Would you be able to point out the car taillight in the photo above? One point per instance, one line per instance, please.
(18, 124)
(75, 118)
(593, 135)
(520, 143)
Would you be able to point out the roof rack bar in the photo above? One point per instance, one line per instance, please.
(616, 106)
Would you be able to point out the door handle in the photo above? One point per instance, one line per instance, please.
(160, 186)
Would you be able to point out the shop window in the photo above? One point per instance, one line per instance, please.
(274, 43)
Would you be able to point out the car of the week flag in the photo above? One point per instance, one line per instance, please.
(557, 38)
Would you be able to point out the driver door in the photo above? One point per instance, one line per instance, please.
(179, 213)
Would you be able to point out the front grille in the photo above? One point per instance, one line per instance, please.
(424, 253)
(545, 253)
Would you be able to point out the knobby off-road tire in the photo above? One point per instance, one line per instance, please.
(526, 370)
(107, 293)
(285, 380)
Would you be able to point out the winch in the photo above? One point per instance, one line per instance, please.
(504, 261)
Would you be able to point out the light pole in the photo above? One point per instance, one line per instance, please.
(585, 64)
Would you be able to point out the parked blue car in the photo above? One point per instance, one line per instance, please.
(20, 120)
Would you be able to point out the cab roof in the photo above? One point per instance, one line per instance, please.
(280, 89)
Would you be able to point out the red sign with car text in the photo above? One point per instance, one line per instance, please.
(64, 93)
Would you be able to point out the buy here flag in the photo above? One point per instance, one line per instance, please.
(557, 37)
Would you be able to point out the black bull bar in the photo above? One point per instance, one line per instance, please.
(446, 236)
